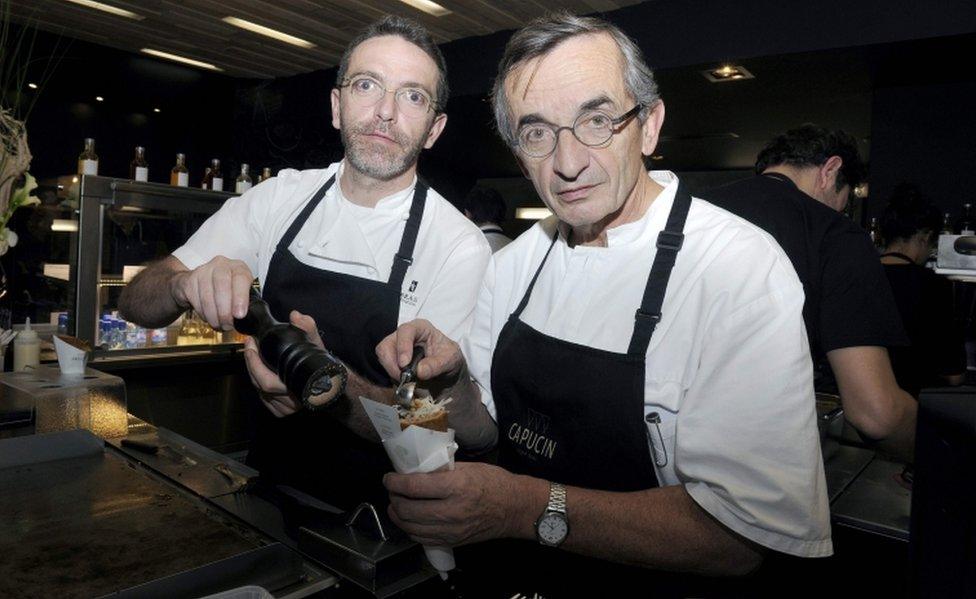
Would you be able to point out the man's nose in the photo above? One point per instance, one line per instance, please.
(386, 108)
(570, 156)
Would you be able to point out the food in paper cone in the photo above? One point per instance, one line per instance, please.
(425, 413)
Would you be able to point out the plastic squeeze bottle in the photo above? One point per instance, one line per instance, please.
(27, 349)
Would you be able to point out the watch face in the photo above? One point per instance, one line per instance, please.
(553, 528)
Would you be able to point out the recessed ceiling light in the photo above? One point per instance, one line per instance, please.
(268, 32)
(431, 8)
(184, 60)
(727, 72)
(121, 12)
(156, 110)
(99, 99)
(532, 213)
(32, 85)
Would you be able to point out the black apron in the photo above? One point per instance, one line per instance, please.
(575, 414)
(311, 451)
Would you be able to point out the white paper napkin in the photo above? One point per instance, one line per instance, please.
(71, 359)
(415, 450)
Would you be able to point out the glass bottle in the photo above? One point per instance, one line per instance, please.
(243, 182)
(205, 182)
(88, 160)
(189, 330)
(139, 168)
(966, 220)
(265, 174)
(179, 176)
(216, 177)
(946, 224)
(874, 232)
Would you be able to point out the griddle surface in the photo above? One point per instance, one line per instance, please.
(84, 527)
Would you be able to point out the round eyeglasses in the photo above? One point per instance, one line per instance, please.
(591, 128)
(411, 101)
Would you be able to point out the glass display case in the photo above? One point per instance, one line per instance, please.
(103, 232)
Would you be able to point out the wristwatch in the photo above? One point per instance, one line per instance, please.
(552, 527)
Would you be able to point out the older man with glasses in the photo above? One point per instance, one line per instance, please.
(640, 356)
(349, 251)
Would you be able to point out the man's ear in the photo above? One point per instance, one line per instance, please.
(651, 128)
(334, 97)
(827, 173)
(436, 128)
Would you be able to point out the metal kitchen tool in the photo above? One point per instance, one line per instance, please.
(408, 378)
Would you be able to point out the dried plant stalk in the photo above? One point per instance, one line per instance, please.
(15, 156)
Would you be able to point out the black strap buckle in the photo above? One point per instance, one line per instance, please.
(670, 240)
(654, 317)
(404, 259)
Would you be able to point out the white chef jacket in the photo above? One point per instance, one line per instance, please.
(728, 368)
(440, 285)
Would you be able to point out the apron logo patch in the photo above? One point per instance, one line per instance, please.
(530, 438)
(407, 297)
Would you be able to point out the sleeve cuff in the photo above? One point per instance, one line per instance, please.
(708, 501)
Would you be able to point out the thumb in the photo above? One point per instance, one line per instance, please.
(307, 324)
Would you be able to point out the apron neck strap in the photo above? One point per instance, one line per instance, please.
(296, 225)
(898, 255)
(404, 256)
(669, 242)
(528, 292)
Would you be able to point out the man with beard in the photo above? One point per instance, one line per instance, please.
(348, 252)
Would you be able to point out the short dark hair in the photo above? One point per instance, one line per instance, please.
(812, 145)
(485, 205)
(539, 37)
(908, 212)
(411, 31)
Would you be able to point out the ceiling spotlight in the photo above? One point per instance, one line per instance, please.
(727, 72)
(99, 99)
(156, 110)
(431, 8)
(183, 59)
(121, 12)
(268, 32)
(32, 85)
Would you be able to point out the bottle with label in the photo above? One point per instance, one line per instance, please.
(874, 232)
(243, 182)
(265, 174)
(180, 176)
(27, 349)
(966, 223)
(216, 177)
(139, 168)
(88, 160)
(205, 183)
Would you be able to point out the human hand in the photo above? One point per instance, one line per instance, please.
(443, 356)
(270, 388)
(474, 502)
(218, 290)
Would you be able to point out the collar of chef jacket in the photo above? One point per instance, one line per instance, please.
(354, 234)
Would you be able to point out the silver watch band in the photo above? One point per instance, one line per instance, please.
(557, 498)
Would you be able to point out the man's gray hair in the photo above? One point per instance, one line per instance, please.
(542, 35)
(411, 31)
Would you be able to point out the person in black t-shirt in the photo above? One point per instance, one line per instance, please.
(804, 179)
(937, 353)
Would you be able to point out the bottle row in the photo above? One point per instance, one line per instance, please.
(115, 332)
(965, 224)
(213, 177)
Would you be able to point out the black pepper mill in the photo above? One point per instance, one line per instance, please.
(310, 373)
